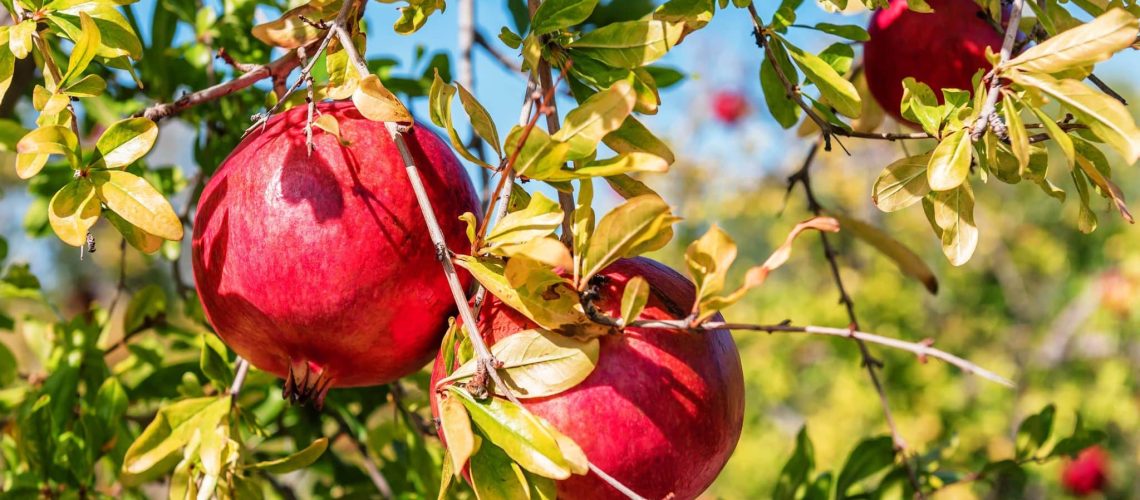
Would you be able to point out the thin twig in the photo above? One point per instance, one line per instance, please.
(1106, 89)
(484, 43)
(803, 177)
(1012, 28)
(565, 200)
(240, 371)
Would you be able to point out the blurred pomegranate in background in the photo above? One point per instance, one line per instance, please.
(1119, 293)
(729, 106)
(1088, 473)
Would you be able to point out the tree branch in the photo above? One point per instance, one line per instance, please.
(1012, 28)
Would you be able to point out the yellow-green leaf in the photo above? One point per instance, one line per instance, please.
(622, 164)
(1095, 165)
(954, 214)
(494, 476)
(538, 363)
(553, 15)
(296, 461)
(1106, 117)
(540, 218)
(20, 38)
(36, 146)
(85, 48)
(630, 44)
(901, 184)
(632, 137)
(519, 433)
(540, 156)
(141, 240)
(377, 103)
(1059, 136)
(439, 107)
(456, 426)
(289, 31)
(87, 86)
(137, 202)
(155, 451)
(1081, 46)
(480, 119)
(328, 123)
(73, 210)
(7, 68)
(597, 116)
(950, 162)
(639, 225)
(838, 91)
(908, 261)
(125, 141)
(1018, 137)
(708, 259)
(634, 298)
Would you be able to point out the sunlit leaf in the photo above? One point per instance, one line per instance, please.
(456, 427)
(73, 210)
(137, 202)
(708, 259)
(296, 461)
(909, 262)
(1095, 165)
(639, 225)
(85, 48)
(480, 119)
(377, 103)
(954, 214)
(539, 363)
(135, 236)
(634, 298)
(553, 15)
(622, 164)
(522, 435)
(494, 476)
(868, 458)
(87, 86)
(599, 115)
(1081, 46)
(439, 105)
(633, 137)
(901, 184)
(35, 148)
(125, 141)
(539, 219)
(20, 38)
(155, 451)
(629, 44)
(950, 162)
(290, 31)
(839, 92)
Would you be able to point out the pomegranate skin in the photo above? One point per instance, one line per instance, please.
(324, 260)
(661, 412)
(942, 49)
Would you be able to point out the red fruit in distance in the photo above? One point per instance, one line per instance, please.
(319, 265)
(729, 106)
(1088, 473)
(942, 49)
(661, 412)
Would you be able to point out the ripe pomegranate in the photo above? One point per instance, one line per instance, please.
(942, 49)
(1118, 293)
(1088, 473)
(318, 267)
(729, 106)
(661, 412)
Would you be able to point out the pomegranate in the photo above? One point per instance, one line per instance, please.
(318, 267)
(661, 412)
(1088, 473)
(729, 106)
(942, 49)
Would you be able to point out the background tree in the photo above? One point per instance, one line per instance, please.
(112, 383)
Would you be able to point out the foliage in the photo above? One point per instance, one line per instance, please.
(113, 399)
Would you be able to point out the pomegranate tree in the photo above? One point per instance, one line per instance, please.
(662, 410)
(312, 265)
(943, 49)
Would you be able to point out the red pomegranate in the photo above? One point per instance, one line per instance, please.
(318, 267)
(729, 106)
(661, 412)
(942, 49)
(1088, 473)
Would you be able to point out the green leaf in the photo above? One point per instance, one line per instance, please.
(954, 214)
(87, 86)
(539, 219)
(20, 38)
(1095, 165)
(838, 92)
(708, 259)
(553, 15)
(85, 48)
(1080, 439)
(950, 162)
(629, 44)
(540, 156)
(1082, 46)
(901, 184)
(1106, 117)
(664, 76)
(117, 37)
(456, 426)
(634, 298)
(7, 68)
(214, 361)
(597, 116)
(538, 363)
(42, 142)
(1034, 431)
(510, 38)
(530, 441)
(782, 107)
(494, 476)
(137, 202)
(1086, 220)
(920, 105)
(141, 240)
(146, 304)
(797, 469)
(73, 210)
(909, 262)
(413, 17)
(8, 370)
(869, 457)
(480, 120)
(1059, 136)
(839, 56)
(155, 451)
(848, 31)
(1018, 136)
(125, 141)
(294, 462)
(439, 105)
(624, 163)
(639, 225)
(632, 137)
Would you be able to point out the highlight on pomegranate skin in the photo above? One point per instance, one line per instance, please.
(311, 265)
